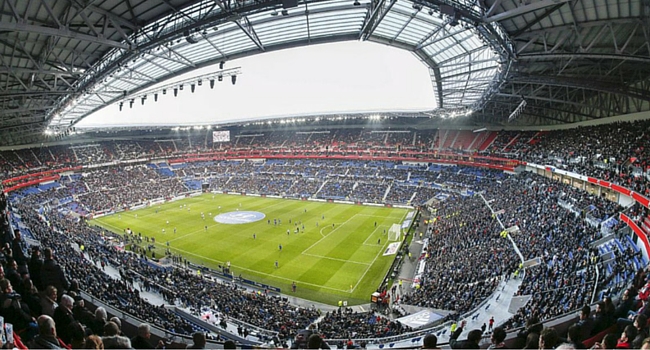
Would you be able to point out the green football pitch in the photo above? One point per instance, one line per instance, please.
(337, 256)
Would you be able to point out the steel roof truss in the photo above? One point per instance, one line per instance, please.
(248, 29)
(376, 18)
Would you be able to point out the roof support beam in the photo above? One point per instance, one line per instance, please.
(113, 17)
(579, 84)
(373, 22)
(7, 70)
(493, 8)
(250, 32)
(572, 26)
(541, 98)
(538, 19)
(553, 56)
(51, 13)
(9, 111)
(66, 33)
(523, 10)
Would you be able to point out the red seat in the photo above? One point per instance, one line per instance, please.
(598, 337)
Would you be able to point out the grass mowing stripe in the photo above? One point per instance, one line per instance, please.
(341, 263)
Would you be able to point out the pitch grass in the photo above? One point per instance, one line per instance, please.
(339, 256)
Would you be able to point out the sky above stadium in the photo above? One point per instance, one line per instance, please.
(319, 79)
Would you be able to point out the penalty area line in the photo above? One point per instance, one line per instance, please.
(373, 262)
(257, 272)
(335, 259)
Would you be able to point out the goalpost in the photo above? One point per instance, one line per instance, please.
(394, 233)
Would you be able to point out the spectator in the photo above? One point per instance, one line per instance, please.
(81, 313)
(586, 323)
(19, 247)
(641, 325)
(63, 318)
(625, 341)
(141, 340)
(624, 304)
(472, 342)
(46, 338)
(48, 301)
(77, 335)
(316, 342)
(602, 318)
(532, 341)
(608, 342)
(118, 322)
(430, 341)
(15, 311)
(94, 342)
(112, 338)
(574, 337)
(548, 339)
(198, 341)
(35, 265)
(32, 297)
(52, 274)
(11, 273)
(497, 338)
(97, 325)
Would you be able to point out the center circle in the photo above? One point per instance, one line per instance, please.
(239, 217)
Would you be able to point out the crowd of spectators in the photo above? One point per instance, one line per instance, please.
(565, 276)
(348, 324)
(613, 152)
(119, 187)
(177, 285)
(594, 150)
(465, 256)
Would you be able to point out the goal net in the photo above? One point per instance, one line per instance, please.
(394, 232)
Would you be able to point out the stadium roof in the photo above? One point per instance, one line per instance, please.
(569, 60)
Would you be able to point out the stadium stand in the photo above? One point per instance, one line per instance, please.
(533, 203)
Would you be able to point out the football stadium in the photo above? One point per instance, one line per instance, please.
(325, 174)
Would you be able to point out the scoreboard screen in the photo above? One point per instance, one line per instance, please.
(221, 136)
